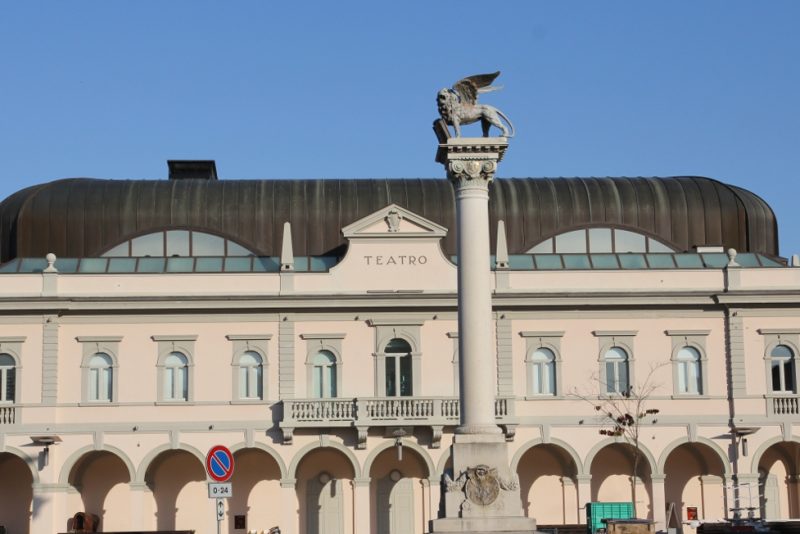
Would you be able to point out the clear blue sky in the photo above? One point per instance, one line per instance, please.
(347, 89)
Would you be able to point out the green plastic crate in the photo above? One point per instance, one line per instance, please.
(597, 511)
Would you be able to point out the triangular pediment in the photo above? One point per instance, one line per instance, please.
(393, 221)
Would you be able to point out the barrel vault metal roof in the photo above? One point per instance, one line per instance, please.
(83, 217)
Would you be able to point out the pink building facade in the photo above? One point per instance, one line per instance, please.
(334, 377)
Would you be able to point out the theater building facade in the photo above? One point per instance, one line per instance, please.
(310, 326)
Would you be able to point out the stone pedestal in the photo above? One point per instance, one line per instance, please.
(482, 496)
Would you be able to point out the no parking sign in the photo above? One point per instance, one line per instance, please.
(219, 463)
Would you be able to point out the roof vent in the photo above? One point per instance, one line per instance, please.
(192, 169)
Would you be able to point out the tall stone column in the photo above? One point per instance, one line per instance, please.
(483, 493)
(471, 164)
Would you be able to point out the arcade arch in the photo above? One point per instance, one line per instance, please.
(611, 467)
(399, 488)
(176, 478)
(324, 488)
(16, 492)
(102, 480)
(778, 464)
(695, 476)
(548, 483)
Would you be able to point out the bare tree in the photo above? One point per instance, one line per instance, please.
(623, 414)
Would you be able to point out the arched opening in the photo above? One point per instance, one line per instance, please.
(256, 491)
(101, 479)
(548, 485)
(16, 493)
(613, 480)
(177, 481)
(398, 495)
(325, 492)
(778, 470)
(695, 477)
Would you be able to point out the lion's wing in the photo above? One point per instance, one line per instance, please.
(469, 87)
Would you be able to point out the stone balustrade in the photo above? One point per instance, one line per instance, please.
(781, 405)
(365, 412)
(7, 415)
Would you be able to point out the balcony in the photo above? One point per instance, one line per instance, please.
(8, 415)
(783, 405)
(365, 412)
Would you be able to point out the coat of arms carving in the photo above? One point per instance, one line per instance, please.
(483, 485)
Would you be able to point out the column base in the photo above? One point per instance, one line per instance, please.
(484, 525)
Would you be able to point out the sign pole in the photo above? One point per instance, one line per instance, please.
(220, 514)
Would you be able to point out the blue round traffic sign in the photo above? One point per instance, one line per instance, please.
(219, 463)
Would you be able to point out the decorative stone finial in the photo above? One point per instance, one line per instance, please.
(501, 253)
(51, 263)
(732, 258)
(287, 252)
(459, 105)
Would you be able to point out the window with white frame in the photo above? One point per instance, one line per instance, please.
(323, 375)
(323, 364)
(782, 367)
(101, 378)
(542, 372)
(250, 365)
(175, 377)
(8, 378)
(615, 365)
(398, 360)
(690, 378)
(251, 375)
(398, 368)
(689, 361)
(543, 362)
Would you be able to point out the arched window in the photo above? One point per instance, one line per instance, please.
(8, 378)
(101, 378)
(251, 375)
(615, 366)
(689, 372)
(541, 372)
(599, 240)
(169, 243)
(323, 374)
(176, 377)
(398, 368)
(783, 369)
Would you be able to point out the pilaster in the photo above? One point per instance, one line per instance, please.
(288, 506)
(286, 349)
(659, 505)
(49, 359)
(584, 495)
(361, 512)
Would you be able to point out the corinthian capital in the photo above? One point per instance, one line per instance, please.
(465, 170)
(471, 162)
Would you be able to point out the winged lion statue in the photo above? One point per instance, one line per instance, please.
(459, 105)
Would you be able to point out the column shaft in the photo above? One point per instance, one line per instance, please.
(476, 367)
